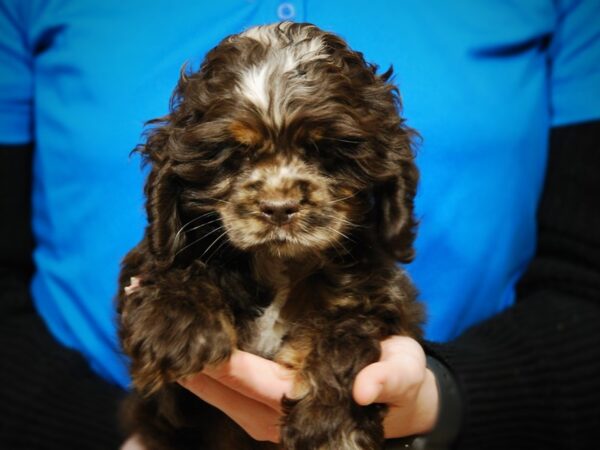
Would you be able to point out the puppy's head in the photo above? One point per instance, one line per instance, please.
(284, 139)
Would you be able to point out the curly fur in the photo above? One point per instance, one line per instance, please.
(279, 198)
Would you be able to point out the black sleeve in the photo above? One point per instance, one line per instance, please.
(49, 398)
(530, 377)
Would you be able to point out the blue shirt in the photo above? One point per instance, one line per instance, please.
(481, 81)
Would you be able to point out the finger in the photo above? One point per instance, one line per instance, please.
(133, 443)
(396, 377)
(393, 382)
(254, 377)
(259, 420)
(419, 417)
(374, 383)
(401, 345)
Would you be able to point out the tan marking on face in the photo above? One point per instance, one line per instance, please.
(244, 134)
(315, 134)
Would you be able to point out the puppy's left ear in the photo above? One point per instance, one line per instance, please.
(395, 199)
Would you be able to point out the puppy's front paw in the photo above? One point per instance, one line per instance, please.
(169, 336)
(332, 423)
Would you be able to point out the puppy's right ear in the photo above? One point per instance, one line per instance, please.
(162, 191)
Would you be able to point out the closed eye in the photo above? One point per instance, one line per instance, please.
(330, 149)
(253, 185)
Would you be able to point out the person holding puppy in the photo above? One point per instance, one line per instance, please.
(504, 97)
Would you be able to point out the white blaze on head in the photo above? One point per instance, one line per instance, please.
(253, 85)
(268, 84)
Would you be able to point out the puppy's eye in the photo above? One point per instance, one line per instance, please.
(320, 151)
(347, 144)
(254, 185)
(317, 149)
(245, 153)
(338, 145)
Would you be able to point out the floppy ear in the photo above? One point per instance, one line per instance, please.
(162, 193)
(395, 200)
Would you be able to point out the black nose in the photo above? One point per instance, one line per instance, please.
(279, 212)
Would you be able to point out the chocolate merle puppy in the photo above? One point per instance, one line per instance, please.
(279, 200)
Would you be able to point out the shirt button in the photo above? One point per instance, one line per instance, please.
(286, 11)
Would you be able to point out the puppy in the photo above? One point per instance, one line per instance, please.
(279, 199)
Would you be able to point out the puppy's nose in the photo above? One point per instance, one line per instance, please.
(279, 212)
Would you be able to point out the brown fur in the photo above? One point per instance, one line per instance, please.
(282, 181)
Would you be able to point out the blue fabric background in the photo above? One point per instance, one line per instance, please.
(481, 81)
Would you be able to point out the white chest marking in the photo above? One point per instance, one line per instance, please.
(269, 329)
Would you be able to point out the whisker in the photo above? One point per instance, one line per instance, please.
(216, 250)
(352, 224)
(203, 225)
(214, 242)
(335, 247)
(218, 200)
(192, 221)
(200, 238)
(347, 252)
(343, 220)
(341, 140)
(340, 233)
(343, 198)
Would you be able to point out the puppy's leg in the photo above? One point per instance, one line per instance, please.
(323, 415)
(175, 419)
(171, 325)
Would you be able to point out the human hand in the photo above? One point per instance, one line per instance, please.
(401, 380)
(133, 443)
(249, 389)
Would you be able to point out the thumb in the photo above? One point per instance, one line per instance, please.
(377, 383)
(396, 378)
